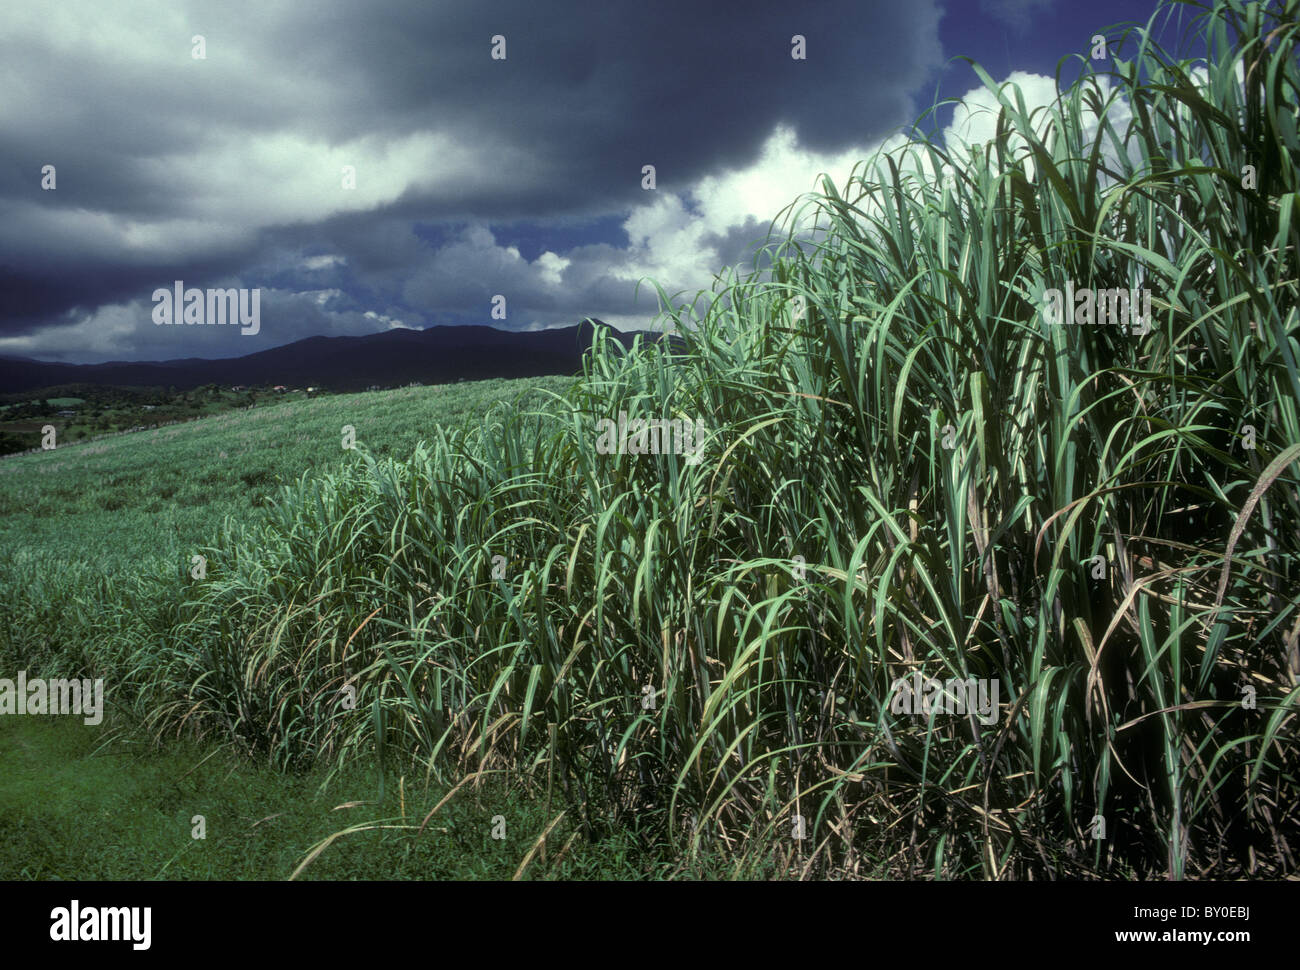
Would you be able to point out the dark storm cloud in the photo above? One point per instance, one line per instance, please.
(225, 169)
(686, 86)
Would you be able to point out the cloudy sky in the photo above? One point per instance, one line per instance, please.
(475, 176)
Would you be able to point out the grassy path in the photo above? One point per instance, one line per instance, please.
(79, 802)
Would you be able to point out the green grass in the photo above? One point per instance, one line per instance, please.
(79, 803)
(117, 503)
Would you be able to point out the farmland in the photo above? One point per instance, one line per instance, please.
(109, 803)
(902, 472)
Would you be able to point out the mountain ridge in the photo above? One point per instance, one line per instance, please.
(434, 355)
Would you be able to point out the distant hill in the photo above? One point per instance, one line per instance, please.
(433, 356)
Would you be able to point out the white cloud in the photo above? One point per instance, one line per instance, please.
(324, 262)
(674, 239)
(551, 267)
(974, 120)
(99, 335)
(392, 323)
(324, 296)
(674, 245)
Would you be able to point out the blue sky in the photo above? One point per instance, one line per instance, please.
(475, 176)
